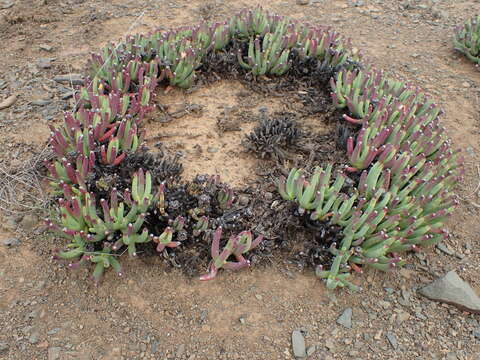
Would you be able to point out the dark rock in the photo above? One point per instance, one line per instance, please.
(346, 318)
(298, 345)
(451, 289)
(68, 95)
(10, 242)
(74, 79)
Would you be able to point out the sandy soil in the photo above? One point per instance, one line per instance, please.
(47, 311)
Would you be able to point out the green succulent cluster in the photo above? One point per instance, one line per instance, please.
(175, 55)
(467, 39)
(407, 171)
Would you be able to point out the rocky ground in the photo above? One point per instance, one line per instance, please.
(270, 312)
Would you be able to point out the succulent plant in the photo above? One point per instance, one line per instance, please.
(272, 136)
(467, 39)
(237, 245)
(397, 201)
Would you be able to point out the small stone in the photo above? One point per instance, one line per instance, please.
(9, 101)
(303, 2)
(74, 79)
(53, 331)
(242, 321)
(384, 304)
(392, 340)
(4, 347)
(44, 63)
(212, 149)
(451, 356)
(33, 339)
(330, 345)
(10, 242)
(54, 353)
(402, 316)
(258, 296)
(67, 95)
(358, 3)
(6, 4)
(298, 344)
(45, 47)
(311, 350)
(415, 55)
(180, 350)
(41, 102)
(476, 333)
(346, 318)
(466, 84)
(29, 221)
(444, 249)
(243, 200)
(451, 289)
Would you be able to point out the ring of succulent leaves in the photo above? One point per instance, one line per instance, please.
(467, 39)
(409, 168)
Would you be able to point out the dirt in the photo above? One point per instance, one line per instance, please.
(49, 311)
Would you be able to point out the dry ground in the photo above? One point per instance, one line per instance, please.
(46, 311)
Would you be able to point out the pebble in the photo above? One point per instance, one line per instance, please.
(53, 331)
(298, 344)
(41, 102)
(402, 316)
(10, 242)
(29, 221)
(180, 350)
(466, 84)
(45, 47)
(33, 339)
(44, 63)
(346, 318)
(330, 345)
(4, 347)
(75, 79)
(384, 304)
(311, 350)
(9, 101)
(476, 333)
(6, 4)
(54, 353)
(444, 249)
(68, 95)
(451, 289)
(392, 340)
(303, 2)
